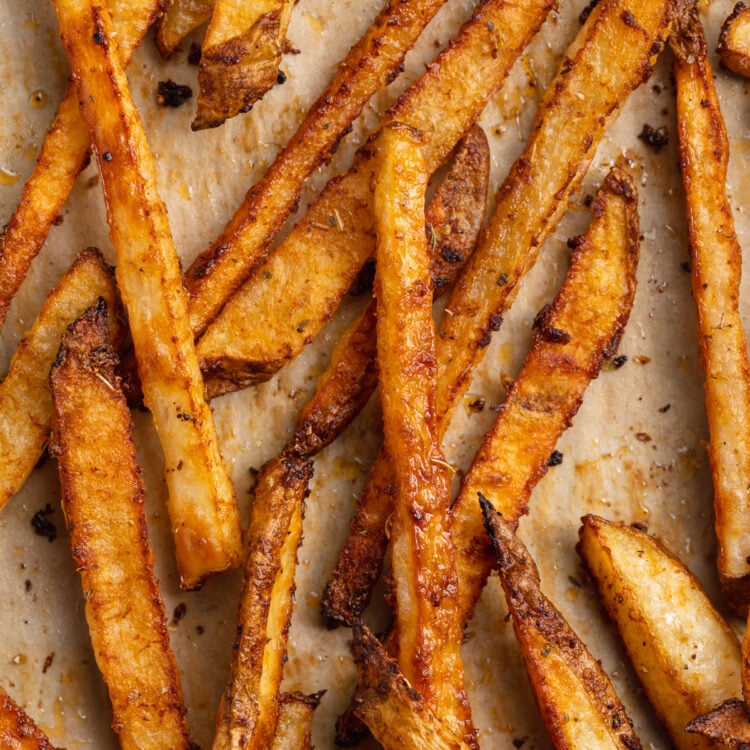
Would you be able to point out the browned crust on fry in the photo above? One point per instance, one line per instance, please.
(64, 154)
(540, 629)
(249, 706)
(728, 724)
(17, 728)
(734, 41)
(102, 494)
(716, 269)
(178, 20)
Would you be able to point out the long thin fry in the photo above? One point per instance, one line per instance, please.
(428, 625)
(63, 155)
(201, 502)
(17, 729)
(25, 401)
(103, 503)
(583, 99)
(281, 309)
(716, 260)
(179, 19)
(218, 272)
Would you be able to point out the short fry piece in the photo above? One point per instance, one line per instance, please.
(727, 724)
(103, 505)
(249, 706)
(240, 57)
(293, 728)
(393, 711)
(428, 625)
(716, 269)
(734, 41)
(25, 400)
(63, 156)
(18, 730)
(577, 701)
(201, 502)
(179, 19)
(683, 652)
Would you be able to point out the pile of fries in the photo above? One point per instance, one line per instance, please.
(235, 444)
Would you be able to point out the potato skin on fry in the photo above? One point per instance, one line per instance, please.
(577, 701)
(17, 730)
(734, 41)
(102, 494)
(685, 655)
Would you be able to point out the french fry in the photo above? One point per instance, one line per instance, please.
(17, 728)
(240, 57)
(727, 724)
(685, 655)
(201, 502)
(25, 400)
(103, 496)
(63, 155)
(584, 98)
(394, 712)
(287, 301)
(716, 260)
(371, 63)
(428, 625)
(249, 706)
(577, 701)
(734, 41)
(293, 728)
(179, 19)
(454, 218)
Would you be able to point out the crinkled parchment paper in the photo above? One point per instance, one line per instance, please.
(636, 451)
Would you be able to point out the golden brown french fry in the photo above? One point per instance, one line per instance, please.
(25, 401)
(63, 155)
(716, 260)
(454, 218)
(293, 728)
(179, 19)
(428, 625)
(574, 336)
(577, 701)
(685, 655)
(240, 57)
(282, 308)
(249, 707)
(102, 494)
(218, 272)
(734, 41)
(17, 729)
(201, 501)
(581, 101)
(394, 712)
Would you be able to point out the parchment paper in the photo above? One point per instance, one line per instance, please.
(636, 451)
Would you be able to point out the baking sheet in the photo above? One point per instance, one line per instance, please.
(626, 457)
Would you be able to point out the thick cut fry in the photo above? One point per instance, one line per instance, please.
(394, 712)
(371, 63)
(249, 706)
(63, 156)
(240, 57)
(683, 652)
(282, 308)
(17, 730)
(201, 502)
(103, 495)
(577, 701)
(428, 626)
(179, 19)
(734, 41)
(25, 401)
(716, 261)
(293, 728)
(454, 218)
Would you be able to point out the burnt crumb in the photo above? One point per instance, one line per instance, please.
(172, 94)
(281, 77)
(475, 405)
(519, 742)
(42, 525)
(179, 612)
(588, 200)
(194, 56)
(685, 266)
(451, 256)
(48, 662)
(555, 459)
(583, 17)
(620, 360)
(58, 220)
(654, 138)
(27, 585)
(99, 38)
(664, 409)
